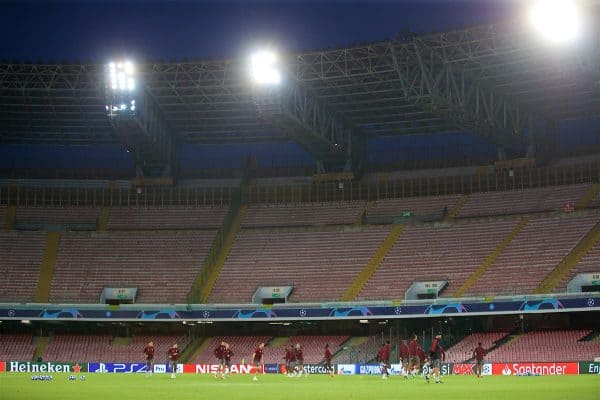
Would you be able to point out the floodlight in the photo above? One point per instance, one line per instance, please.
(263, 68)
(559, 21)
(121, 76)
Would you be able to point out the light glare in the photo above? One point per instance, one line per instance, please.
(263, 68)
(557, 20)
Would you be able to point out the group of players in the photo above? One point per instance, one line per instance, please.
(413, 358)
(416, 362)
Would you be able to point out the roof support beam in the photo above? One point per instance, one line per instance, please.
(328, 136)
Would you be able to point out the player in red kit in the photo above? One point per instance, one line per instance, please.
(403, 353)
(257, 359)
(289, 360)
(299, 360)
(479, 353)
(173, 354)
(327, 359)
(413, 363)
(437, 356)
(383, 356)
(423, 362)
(149, 353)
(227, 354)
(219, 353)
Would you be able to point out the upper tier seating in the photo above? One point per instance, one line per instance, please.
(522, 201)
(16, 347)
(57, 215)
(547, 347)
(426, 252)
(20, 258)
(463, 350)
(416, 205)
(162, 265)
(533, 254)
(320, 265)
(125, 218)
(96, 348)
(300, 214)
(589, 263)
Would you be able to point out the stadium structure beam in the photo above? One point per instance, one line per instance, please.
(331, 138)
(147, 134)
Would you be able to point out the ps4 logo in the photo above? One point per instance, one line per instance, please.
(117, 367)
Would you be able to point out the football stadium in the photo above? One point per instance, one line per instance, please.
(417, 216)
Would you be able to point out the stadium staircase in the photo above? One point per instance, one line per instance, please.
(10, 217)
(453, 213)
(40, 346)
(103, 219)
(588, 197)
(278, 341)
(121, 341)
(570, 261)
(211, 267)
(193, 349)
(491, 258)
(42, 292)
(373, 264)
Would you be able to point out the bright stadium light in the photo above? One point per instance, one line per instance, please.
(122, 88)
(559, 21)
(263, 68)
(121, 76)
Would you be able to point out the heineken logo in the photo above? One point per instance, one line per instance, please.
(17, 366)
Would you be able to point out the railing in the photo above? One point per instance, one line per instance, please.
(149, 196)
(522, 178)
(162, 196)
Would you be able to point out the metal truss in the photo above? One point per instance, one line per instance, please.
(332, 139)
(493, 81)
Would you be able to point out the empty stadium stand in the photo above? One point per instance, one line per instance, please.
(303, 214)
(547, 346)
(415, 205)
(533, 254)
(20, 258)
(16, 347)
(100, 348)
(162, 265)
(463, 350)
(427, 252)
(522, 201)
(589, 263)
(319, 264)
(57, 215)
(167, 218)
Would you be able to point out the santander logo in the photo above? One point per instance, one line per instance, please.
(506, 370)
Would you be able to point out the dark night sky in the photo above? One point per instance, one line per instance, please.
(89, 30)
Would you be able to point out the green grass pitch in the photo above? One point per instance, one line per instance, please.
(17, 386)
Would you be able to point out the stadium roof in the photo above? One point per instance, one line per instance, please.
(491, 80)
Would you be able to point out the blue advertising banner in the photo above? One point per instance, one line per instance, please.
(117, 367)
(440, 307)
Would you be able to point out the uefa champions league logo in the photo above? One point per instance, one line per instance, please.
(398, 310)
(590, 302)
(206, 314)
(11, 313)
(303, 313)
